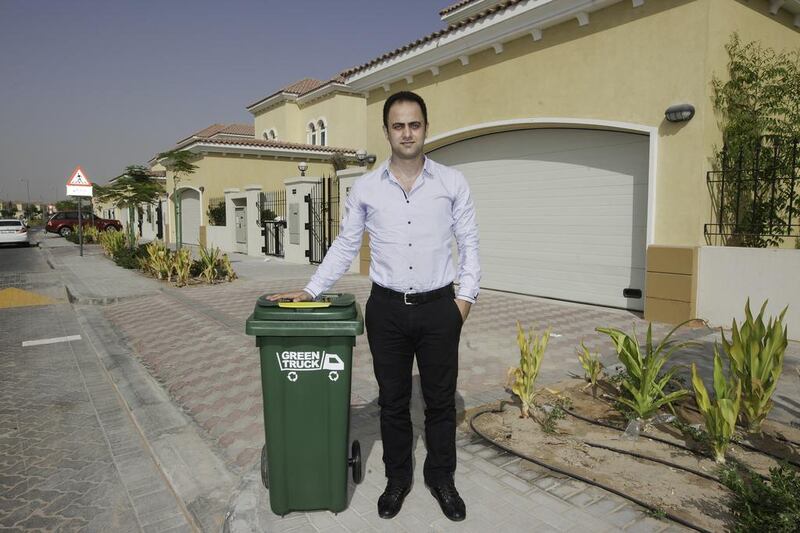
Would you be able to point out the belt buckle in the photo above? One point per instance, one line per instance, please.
(405, 298)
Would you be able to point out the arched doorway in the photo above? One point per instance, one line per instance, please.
(190, 216)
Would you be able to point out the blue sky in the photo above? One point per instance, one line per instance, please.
(106, 84)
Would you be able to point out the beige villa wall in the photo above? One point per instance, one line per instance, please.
(216, 172)
(345, 116)
(753, 22)
(285, 118)
(614, 69)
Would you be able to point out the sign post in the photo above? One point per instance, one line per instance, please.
(79, 186)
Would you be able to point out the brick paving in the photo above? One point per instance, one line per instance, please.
(193, 342)
(70, 458)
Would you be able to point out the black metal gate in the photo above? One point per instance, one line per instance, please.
(272, 209)
(323, 218)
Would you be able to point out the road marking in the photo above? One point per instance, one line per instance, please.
(51, 341)
(14, 297)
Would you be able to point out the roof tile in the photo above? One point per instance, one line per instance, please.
(498, 8)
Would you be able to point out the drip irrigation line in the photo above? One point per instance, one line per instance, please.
(581, 478)
(655, 460)
(617, 428)
(681, 446)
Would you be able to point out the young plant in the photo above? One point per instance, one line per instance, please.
(756, 357)
(642, 383)
(592, 367)
(720, 413)
(227, 268)
(523, 378)
(182, 265)
(208, 263)
(551, 414)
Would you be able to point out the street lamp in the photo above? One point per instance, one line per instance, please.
(28, 185)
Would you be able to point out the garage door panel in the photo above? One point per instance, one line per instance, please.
(561, 213)
(576, 289)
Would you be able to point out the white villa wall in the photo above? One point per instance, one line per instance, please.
(220, 236)
(727, 276)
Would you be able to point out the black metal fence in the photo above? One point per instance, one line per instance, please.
(755, 195)
(272, 209)
(323, 218)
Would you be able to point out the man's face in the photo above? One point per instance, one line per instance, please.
(406, 130)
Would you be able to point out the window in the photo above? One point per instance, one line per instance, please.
(323, 133)
(270, 134)
(312, 133)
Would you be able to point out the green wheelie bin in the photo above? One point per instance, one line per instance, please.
(306, 353)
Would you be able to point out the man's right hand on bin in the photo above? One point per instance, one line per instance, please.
(297, 296)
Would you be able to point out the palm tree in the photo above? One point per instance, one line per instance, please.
(179, 163)
(132, 189)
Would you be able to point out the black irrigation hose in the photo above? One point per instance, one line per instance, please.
(617, 428)
(581, 478)
(681, 446)
(655, 460)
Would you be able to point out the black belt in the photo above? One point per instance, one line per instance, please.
(414, 298)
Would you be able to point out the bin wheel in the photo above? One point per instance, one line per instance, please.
(355, 462)
(264, 470)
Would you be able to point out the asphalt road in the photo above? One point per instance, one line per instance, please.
(16, 259)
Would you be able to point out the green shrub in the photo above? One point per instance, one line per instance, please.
(643, 385)
(756, 357)
(129, 257)
(720, 414)
(765, 506)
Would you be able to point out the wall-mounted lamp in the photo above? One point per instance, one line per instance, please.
(202, 189)
(302, 166)
(364, 158)
(679, 112)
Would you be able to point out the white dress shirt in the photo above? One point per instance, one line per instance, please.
(410, 235)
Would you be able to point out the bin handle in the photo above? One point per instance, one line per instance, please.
(304, 305)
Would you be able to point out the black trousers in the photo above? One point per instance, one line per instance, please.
(396, 333)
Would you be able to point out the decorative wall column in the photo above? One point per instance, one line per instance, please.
(346, 179)
(295, 244)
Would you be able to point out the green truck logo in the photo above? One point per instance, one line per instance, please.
(293, 362)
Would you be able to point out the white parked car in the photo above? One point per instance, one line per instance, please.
(13, 231)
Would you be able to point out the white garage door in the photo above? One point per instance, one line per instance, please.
(190, 216)
(562, 213)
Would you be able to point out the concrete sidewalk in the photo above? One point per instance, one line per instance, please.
(190, 376)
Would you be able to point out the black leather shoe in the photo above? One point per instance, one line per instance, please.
(451, 503)
(391, 500)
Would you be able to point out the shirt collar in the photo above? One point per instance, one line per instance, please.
(427, 168)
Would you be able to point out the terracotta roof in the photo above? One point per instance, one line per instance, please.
(157, 173)
(228, 140)
(498, 8)
(303, 86)
(222, 129)
(299, 88)
(238, 129)
(457, 5)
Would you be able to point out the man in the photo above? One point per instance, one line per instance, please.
(411, 207)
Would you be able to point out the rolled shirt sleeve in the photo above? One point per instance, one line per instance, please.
(465, 229)
(344, 249)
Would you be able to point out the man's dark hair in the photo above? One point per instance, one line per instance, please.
(404, 96)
